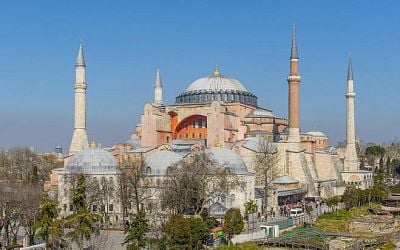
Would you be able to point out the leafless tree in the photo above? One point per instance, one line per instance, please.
(22, 174)
(190, 184)
(136, 187)
(265, 160)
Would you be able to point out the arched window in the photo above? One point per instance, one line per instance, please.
(232, 198)
(148, 170)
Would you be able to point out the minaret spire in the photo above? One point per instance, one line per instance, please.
(79, 137)
(350, 70)
(80, 59)
(293, 52)
(294, 82)
(351, 160)
(158, 95)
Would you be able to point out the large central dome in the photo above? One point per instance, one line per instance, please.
(212, 83)
(216, 87)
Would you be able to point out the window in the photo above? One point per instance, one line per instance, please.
(193, 135)
(167, 138)
(180, 136)
(94, 208)
(65, 207)
(71, 207)
(103, 208)
(148, 170)
(110, 207)
(187, 135)
(232, 198)
(200, 135)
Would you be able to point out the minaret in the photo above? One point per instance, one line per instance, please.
(79, 138)
(294, 81)
(158, 95)
(351, 160)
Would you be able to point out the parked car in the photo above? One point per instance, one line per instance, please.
(296, 212)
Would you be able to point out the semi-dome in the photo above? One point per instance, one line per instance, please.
(159, 161)
(92, 161)
(216, 87)
(227, 158)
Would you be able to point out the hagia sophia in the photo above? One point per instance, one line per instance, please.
(217, 113)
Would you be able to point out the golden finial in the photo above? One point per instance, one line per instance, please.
(93, 144)
(218, 143)
(216, 72)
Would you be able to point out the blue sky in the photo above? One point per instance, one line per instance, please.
(250, 40)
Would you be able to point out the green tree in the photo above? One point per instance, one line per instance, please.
(82, 221)
(373, 153)
(332, 202)
(48, 227)
(136, 234)
(250, 207)
(233, 223)
(379, 192)
(177, 233)
(199, 232)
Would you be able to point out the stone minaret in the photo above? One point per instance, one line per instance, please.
(294, 81)
(79, 138)
(351, 160)
(158, 95)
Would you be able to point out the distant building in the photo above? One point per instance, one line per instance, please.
(102, 183)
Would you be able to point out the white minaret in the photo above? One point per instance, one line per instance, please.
(158, 96)
(79, 138)
(351, 160)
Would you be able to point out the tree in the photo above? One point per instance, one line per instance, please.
(22, 175)
(48, 227)
(136, 187)
(82, 221)
(233, 223)
(265, 161)
(250, 207)
(136, 234)
(177, 234)
(199, 232)
(332, 202)
(373, 153)
(194, 181)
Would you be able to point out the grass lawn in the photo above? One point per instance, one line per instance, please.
(339, 221)
(243, 246)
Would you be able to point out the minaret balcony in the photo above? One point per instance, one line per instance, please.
(80, 85)
(293, 78)
(350, 94)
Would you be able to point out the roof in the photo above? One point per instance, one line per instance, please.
(216, 83)
(160, 161)
(254, 143)
(228, 158)
(261, 113)
(316, 133)
(92, 161)
(290, 192)
(285, 180)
